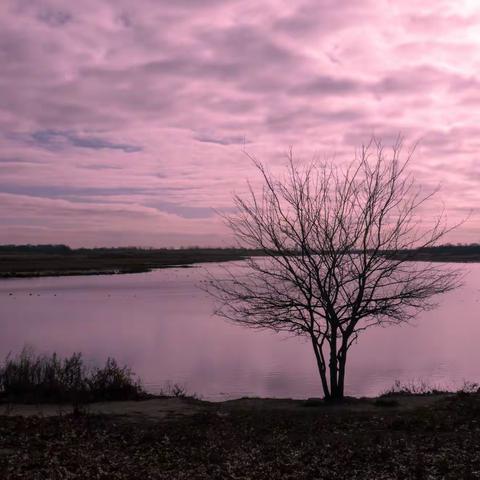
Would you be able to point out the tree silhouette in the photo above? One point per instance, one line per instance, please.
(338, 245)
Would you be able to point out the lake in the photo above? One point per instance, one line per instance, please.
(161, 325)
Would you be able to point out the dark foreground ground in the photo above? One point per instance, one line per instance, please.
(435, 438)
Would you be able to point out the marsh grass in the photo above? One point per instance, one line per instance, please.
(411, 388)
(31, 378)
(425, 388)
(177, 390)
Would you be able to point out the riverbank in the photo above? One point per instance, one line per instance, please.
(16, 262)
(60, 260)
(164, 407)
(419, 437)
(444, 253)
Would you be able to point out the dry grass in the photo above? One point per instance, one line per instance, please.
(441, 441)
(31, 378)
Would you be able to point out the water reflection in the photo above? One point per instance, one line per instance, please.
(161, 324)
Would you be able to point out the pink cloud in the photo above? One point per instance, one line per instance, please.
(124, 122)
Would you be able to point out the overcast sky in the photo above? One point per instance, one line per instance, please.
(123, 122)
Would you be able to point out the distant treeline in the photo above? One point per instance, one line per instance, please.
(48, 248)
(152, 250)
(64, 249)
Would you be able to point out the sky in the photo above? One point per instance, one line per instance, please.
(124, 122)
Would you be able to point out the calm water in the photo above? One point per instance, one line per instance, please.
(161, 324)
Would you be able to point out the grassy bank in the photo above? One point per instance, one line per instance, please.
(259, 439)
(59, 260)
(444, 253)
(39, 261)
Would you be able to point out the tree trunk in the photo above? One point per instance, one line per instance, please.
(342, 360)
(321, 367)
(333, 381)
(333, 366)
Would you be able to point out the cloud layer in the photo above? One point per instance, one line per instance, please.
(124, 122)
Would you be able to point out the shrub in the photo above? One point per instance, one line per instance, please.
(412, 388)
(175, 390)
(113, 382)
(30, 378)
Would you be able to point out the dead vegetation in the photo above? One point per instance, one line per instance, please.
(238, 441)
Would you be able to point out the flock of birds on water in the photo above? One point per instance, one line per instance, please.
(30, 294)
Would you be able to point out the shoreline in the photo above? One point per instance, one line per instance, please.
(117, 261)
(162, 407)
(44, 273)
(87, 273)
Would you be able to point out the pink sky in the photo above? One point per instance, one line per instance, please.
(122, 122)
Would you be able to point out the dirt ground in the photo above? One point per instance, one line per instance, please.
(168, 408)
(422, 437)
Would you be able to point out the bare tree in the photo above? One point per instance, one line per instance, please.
(337, 246)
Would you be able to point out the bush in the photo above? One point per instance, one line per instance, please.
(412, 388)
(30, 378)
(175, 390)
(114, 383)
